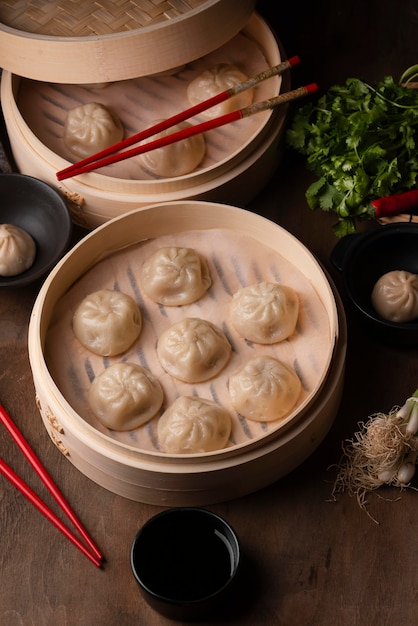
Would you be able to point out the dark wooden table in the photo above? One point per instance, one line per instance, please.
(312, 561)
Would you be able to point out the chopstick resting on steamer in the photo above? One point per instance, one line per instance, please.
(179, 117)
(94, 553)
(113, 153)
(189, 132)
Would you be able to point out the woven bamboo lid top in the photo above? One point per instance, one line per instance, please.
(66, 18)
(76, 42)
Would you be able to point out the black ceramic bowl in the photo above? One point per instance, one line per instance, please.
(186, 562)
(363, 259)
(37, 208)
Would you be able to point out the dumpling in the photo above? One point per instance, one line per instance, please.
(107, 322)
(125, 396)
(17, 250)
(90, 128)
(174, 159)
(175, 276)
(192, 425)
(265, 312)
(264, 389)
(219, 78)
(395, 296)
(193, 350)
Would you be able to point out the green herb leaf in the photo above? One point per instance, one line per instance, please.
(361, 143)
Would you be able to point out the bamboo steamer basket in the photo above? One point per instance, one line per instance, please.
(240, 160)
(144, 473)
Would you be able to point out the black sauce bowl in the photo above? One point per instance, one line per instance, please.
(36, 207)
(186, 562)
(363, 258)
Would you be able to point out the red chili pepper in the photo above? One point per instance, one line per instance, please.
(396, 204)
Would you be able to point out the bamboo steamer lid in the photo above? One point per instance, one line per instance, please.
(147, 474)
(63, 41)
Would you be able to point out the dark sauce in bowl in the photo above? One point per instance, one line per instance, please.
(184, 557)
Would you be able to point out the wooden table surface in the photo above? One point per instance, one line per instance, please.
(313, 562)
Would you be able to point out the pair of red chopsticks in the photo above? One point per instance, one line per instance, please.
(113, 154)
(92, 551)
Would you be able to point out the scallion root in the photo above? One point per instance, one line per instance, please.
(383, 452)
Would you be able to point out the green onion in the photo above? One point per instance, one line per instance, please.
(384, 451)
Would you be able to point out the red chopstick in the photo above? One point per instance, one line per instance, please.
(176, 119)
(43, 508)
(51, 486)
(233, 116)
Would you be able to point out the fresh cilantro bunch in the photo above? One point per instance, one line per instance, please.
(362, 143)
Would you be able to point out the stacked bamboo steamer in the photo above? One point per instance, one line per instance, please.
(131, 464)
(58, 55)
(46, 62)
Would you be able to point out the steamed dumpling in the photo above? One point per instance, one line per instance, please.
(125, 396)
(213, 81)
(264, 390)
(395, 296)
(193, 350)
(192, 425)
(17, 250)
(265, 312)
(90, 128)
(174, 159)
(175, 276)
(107, 322)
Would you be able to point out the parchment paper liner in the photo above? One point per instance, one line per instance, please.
(140, 102)
(235, 260)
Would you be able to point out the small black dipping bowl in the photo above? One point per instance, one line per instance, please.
(363, 259)
(36, 207)
(186, 562)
